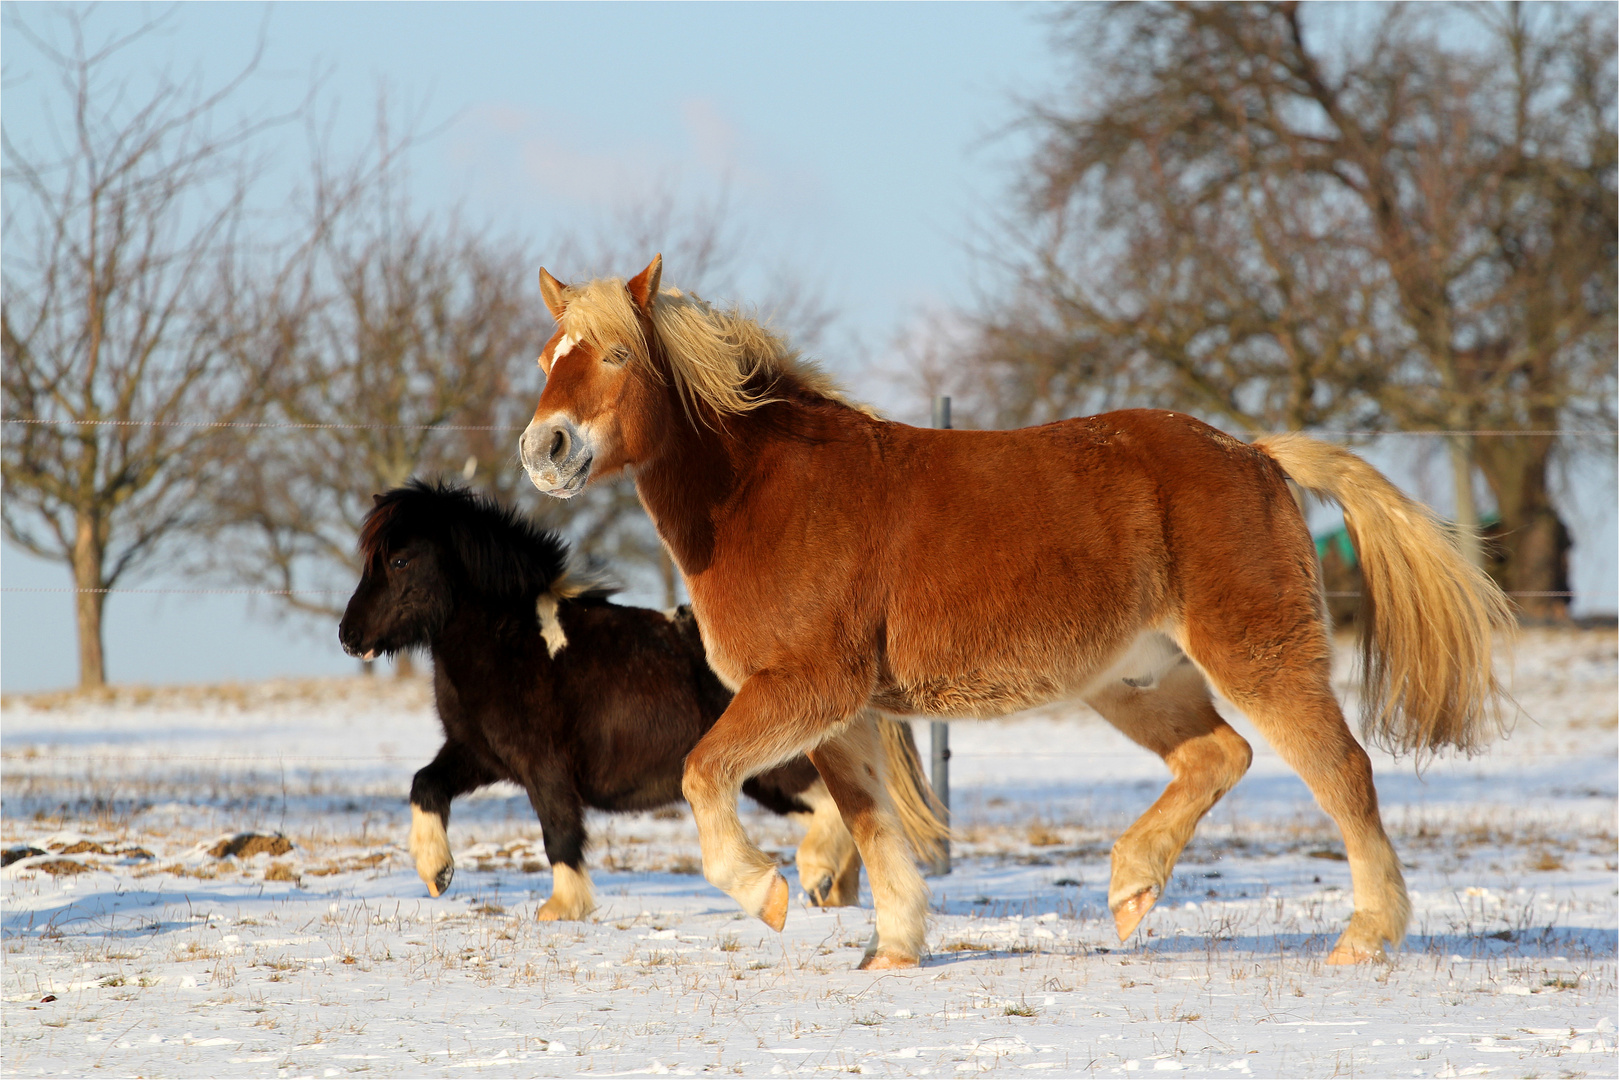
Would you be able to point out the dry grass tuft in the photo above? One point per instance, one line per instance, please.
(246, 845)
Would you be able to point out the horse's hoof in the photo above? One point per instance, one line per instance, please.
(883, 960)
(547, 913)
(821, 892)
(774, 912)
(1128, 915)
(440, 882)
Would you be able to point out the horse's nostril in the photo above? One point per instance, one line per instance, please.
(559, 445)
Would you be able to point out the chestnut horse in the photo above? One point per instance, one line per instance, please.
(1132, 560)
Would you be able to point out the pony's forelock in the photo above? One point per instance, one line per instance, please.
(719, 357)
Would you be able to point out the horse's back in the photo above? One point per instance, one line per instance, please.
(1023, 565)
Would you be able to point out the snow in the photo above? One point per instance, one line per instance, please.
(329, 958)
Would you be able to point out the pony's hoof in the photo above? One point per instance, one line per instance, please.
(883, 960)
(1128, 915)
(439, 883)
(555, 910)
(1346, 953)
(820, 894)
(774, 912)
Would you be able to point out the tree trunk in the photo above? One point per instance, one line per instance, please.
(1532, 544)
(89, 600)
(1467, 528)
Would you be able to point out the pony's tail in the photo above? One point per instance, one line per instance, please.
(921, 815)
(1428, 617)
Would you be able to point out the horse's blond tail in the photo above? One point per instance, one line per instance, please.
(1428, 617)
(921, 817)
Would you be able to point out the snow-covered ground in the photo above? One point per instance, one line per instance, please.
(131, 949)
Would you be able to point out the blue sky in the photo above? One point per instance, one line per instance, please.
(859, 143)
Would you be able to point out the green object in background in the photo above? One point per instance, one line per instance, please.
(1339, 539)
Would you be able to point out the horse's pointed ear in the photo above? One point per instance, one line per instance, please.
(551, 293)
(644, 286)
(376, 499)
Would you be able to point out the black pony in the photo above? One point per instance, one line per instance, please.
(541, 680)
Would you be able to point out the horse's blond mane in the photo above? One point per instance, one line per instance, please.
(716, 355)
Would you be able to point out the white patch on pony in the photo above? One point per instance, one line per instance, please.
(429, 847)
(571, 895)
(550, 625)
(564, 347)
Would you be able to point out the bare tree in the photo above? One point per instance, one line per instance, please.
(405, 347)
(1279, 222)
(122, 254)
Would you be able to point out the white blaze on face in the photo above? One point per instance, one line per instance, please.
(564, 347)
(550, 626)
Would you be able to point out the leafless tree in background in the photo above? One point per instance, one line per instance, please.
(122, 258)
(1405, 219)
(404, 347)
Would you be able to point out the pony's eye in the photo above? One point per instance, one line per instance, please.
(618, 354)
(399, 562)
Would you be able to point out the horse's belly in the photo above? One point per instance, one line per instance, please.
(991, 692)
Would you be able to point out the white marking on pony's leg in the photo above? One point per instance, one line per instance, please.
(550, 625)
(828, 862)
(571, 895)
(430, 848)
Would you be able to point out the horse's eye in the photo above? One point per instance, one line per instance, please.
(618, 354)
(399, 562)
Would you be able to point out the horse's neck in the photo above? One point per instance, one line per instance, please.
(690, 482)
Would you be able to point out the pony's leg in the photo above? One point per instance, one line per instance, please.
(1175, 720)
(851, 762)
(828, 861)
(1292, 704)
(771, 718)
(562, 820)
(453, 771)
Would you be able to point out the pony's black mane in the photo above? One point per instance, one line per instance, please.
(502, 553)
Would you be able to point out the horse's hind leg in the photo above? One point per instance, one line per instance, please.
(851, 763)
(453, 771)
(1176, 720)
(828, 860)
(771, 718)
(1291, 701)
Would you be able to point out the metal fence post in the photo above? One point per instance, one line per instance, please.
(941, 731)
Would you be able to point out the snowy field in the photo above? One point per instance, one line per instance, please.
(134, 944)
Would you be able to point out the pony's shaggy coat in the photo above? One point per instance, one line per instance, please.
(1132, 560)
(540, 680)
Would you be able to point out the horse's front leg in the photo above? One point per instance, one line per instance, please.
(454, 771)
(771, 718)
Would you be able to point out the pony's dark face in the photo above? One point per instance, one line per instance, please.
(401, 602)
(588, 419)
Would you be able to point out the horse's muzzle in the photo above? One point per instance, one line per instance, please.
(557, 457)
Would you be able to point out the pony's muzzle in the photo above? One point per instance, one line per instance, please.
(556, 455)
